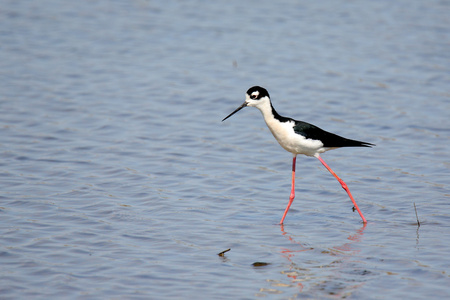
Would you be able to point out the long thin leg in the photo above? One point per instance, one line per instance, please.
(292, 196)
(344, 186)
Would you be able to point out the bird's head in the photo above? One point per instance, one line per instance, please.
(256, 96)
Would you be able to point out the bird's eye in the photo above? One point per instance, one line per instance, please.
(253, 96)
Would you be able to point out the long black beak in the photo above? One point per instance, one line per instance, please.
(237, 109)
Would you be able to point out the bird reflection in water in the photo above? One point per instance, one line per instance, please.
(345, 252)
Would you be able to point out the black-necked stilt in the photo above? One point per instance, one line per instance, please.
(298, 137)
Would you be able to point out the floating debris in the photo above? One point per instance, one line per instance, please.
(417, 217)
(260, 264)
(223, 252)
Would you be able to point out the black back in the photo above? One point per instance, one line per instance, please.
(328, 139)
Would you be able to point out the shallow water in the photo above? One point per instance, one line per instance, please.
(119, 180)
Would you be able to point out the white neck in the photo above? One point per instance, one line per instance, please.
(266, 109)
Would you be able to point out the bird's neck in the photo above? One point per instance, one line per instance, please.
(277, 116)
(270, 114)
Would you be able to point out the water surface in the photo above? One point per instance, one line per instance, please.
(119, 180)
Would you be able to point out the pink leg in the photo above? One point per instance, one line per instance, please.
(292, 196)
(344, 186)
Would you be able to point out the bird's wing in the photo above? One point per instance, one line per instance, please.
(328, 139)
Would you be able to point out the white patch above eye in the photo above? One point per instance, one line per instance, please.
(255, 94)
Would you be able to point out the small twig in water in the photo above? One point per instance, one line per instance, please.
(223, 252)
(417, 217)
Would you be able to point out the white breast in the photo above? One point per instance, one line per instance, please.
(295, 143)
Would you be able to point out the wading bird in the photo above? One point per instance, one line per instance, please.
(298, 137)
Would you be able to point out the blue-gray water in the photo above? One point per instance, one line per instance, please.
(119, 180)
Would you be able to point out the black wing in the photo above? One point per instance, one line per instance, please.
(328, 139)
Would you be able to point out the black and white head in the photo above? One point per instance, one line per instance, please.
(256, 96)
